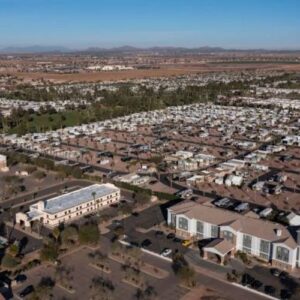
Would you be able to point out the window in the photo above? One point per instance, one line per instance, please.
(214, 231)
(200, 229)
(282, 254)
(183, 223)
(247, 243)
(264, 249)
(173, 220)
(228, 235)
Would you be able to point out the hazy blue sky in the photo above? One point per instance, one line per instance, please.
(190, 23)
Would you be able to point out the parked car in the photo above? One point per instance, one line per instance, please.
(159, 233)
(186, 243)
(247, 280)
(134, 244)
(270, 290)
(153, 182)
(146, 243)
(256, 284)
(20, 278)
(171, 236)
(275, 272)
(285, 294)
(283, 275)
(25, 292)
(177, 240)
(126, 158)
(166, 252)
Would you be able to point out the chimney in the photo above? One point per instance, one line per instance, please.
(278, 232)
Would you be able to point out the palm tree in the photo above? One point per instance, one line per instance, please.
(56, 233)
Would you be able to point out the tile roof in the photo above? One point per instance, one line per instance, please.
(256, 227)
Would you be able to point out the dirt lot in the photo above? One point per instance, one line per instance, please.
(171, 70)
(30, 182)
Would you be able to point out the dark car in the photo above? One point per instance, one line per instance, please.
(171, 236)
(134, 244)
(135, 214)
(146, 243)
(269, 289)
(109, 154)
(283, 275)
(177, 240)
(28, 290)
(285, 294)
(153, 182)
(256, 284)
(21, 278)
(275, 272)
(126, 158)
(247, 280)
(159, 233)
(286, 158)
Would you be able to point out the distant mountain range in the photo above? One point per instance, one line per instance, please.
(33, 49)
(129, 49)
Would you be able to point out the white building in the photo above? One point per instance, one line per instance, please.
(65, 208)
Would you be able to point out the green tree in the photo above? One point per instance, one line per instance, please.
(69, 236)
(49, 251)
(8, 261)
(89, 234)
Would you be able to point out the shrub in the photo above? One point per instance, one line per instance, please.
(9, 261)
(89, 234)
(49, 252)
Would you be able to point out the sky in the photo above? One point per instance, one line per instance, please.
(76, 24)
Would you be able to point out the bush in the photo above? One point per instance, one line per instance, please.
(49, 252)
(89, 234)
(69, 236)
(185, 273)
(142, 198)
(9, 261)
(30, 169)
(39, 174)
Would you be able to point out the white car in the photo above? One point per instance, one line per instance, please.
(166, 252)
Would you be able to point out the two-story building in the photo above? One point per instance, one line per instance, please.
(67, 207)
(227, 232)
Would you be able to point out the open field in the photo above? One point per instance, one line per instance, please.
(164, 71)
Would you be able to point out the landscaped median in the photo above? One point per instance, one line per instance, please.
(131, 257)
